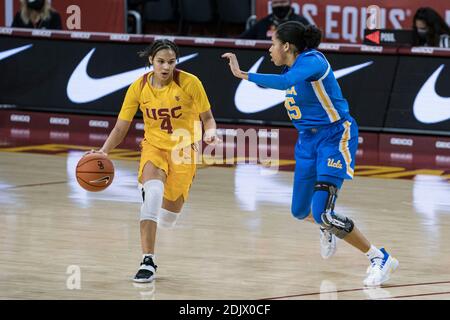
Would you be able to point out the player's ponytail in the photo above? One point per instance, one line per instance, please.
(312, 36)
(301, 36)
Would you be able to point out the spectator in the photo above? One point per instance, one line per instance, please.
(281, 12)
(37, 14)
(430, 29)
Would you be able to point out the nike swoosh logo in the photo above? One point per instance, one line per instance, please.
(82, 88)
(250, 98)
(429, 107)
(101, 180)
(9, 53)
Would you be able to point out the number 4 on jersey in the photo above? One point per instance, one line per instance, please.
(166, 124)
(165, 115)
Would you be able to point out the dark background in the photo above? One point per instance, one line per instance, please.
(380, 96)
(412, 73)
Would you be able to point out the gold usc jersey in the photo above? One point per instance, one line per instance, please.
(171, 114)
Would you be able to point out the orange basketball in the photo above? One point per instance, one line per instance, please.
(95, 172)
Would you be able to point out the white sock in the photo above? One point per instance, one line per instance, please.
(374, 252)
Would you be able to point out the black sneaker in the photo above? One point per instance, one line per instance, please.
(146, 272)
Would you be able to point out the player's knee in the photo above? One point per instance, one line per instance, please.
(317, 217)
(338, 225)
(300, 211)
(318, 209)
(148, 214)
(167, 219)
(153, 191)
(324, 199)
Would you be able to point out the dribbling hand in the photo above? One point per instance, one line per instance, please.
(210, 137)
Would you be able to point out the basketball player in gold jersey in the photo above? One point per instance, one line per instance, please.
(171, 101)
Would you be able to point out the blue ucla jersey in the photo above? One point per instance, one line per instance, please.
(313, 96)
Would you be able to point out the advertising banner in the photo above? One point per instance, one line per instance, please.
(91, 77)
(79, 15)
(345, 20)
(401, 92)
(421, 94)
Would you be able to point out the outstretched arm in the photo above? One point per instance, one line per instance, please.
(276, 81)
(310, 68)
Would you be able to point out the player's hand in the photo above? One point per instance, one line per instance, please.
(210, 137)
(234, 65)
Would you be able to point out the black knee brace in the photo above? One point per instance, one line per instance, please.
(338, 225)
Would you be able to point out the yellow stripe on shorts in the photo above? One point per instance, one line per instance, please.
(343, 148)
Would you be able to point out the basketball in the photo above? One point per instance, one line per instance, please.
(95, 172)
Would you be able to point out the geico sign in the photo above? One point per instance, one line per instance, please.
(60, 121)
(443, 144)
(342, 22)
(402, 142)
(20, 118)
(98, 124)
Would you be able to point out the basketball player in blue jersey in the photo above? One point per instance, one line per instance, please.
(327, 140)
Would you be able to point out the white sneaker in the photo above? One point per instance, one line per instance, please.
(327, 243)
(380, 270)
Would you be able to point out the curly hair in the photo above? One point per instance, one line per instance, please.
(301, 36)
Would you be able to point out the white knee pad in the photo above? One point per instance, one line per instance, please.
(154, 192)
(167, 219)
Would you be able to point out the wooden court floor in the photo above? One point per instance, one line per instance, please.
(235, 239)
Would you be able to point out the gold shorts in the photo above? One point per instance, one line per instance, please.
(179, 167)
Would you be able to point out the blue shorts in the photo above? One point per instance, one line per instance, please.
(327, 151)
